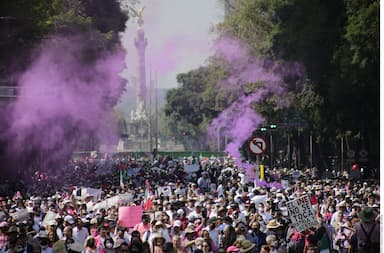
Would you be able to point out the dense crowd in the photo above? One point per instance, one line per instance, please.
(214, 209)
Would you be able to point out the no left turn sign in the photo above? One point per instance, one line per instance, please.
(257, 145)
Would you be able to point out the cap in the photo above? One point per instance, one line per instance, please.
(69, 219)
(177, 223)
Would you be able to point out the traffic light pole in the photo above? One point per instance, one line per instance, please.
(271, 150)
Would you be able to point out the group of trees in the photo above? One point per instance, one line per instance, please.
(24, 24)
(336, 41)
(27, 26)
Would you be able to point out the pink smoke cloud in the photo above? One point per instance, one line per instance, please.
(65, 98)
(239, 120)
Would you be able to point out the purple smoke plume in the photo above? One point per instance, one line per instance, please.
(239, 120)
(65, 98)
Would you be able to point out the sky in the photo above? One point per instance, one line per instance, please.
(179, 37)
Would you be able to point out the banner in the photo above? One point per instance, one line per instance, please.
(259, 199)
(113, 201)
(129, 216)
(50, 216)
(83, 192)
(301, 213)
(20, 215)
(190, 168)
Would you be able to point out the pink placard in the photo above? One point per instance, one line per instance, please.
(129, 216)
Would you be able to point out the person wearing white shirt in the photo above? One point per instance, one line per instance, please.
(44, 242)
(80, 233)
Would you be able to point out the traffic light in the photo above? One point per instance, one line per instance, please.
(273, 126)
(263, 129)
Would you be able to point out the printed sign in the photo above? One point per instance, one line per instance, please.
(20, 215)
(301, 213)
(190, 168)
(259, 199)
(50, 216)
(257, 145)
(113, 201)
(284, 183)
(165, 190)
(129, 216)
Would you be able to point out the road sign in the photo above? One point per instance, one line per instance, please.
(257, 145)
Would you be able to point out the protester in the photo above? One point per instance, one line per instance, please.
(213, 209)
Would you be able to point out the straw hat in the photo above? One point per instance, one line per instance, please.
(189, 230)
(246, 246)
(273, 224)
(158, 236)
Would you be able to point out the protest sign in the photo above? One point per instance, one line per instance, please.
(284, 183)
(165, 191)
(113, 201)
(301, 213)
(190, 168)
(83, 192)
(49, 216)
(259, 199)
(129, 216)
(20, 215)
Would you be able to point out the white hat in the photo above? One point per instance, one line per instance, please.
(69, 219)
(177, 223)
(198, 204)
(180, 211)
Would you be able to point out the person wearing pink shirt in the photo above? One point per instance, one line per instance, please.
(144, 225)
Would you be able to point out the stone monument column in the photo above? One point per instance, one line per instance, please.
(141, 44)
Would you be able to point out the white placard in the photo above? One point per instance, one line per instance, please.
(302, 214)
(49, 216)
(190, 168)
(165, 190)
(259, 199)
(21, 215)
(284, 183)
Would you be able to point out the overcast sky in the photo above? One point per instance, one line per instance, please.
(179, 37)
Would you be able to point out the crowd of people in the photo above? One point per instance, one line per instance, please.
(215, 209)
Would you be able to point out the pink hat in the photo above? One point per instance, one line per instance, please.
(232, 249)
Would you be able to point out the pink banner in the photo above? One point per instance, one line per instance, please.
(129, 216)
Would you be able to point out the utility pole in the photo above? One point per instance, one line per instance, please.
(310, 151)
(150, 118)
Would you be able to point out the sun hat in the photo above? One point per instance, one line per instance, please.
(273, 224)
(232, 249)
(157, 235)
(159, 223)
(246, 246)
(368, 214)
(42, 234)
(189, 230)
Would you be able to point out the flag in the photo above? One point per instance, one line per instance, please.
(147, 196)
(123, 177)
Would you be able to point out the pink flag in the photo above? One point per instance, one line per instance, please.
(129, 216)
